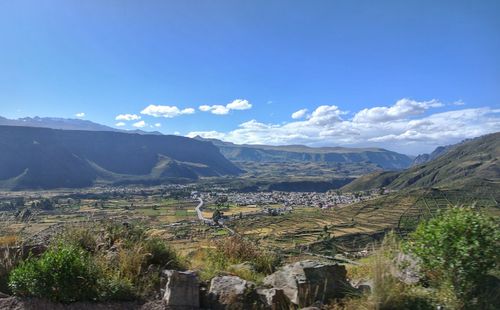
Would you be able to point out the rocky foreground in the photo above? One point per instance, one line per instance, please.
(302, 284)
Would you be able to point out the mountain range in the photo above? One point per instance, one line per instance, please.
(385, 159)
(45, 158)
(382, 158)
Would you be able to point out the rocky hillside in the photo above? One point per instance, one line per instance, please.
(48, 158)
(385, 159)
(472, 164)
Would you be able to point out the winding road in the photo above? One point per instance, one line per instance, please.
(207, 221)
(199, 213)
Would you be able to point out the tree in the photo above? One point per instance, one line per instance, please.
(216, 216)
(46, 204)
(458, 247)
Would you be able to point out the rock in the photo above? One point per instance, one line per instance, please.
(307, 282)
(182, 289)
(406, 268)
(364, 289)
(363, 286)
(2, 295)
(231, 292)
(274, 299)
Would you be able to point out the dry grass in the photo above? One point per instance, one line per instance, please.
(9, 240)
(222, 254)
(387, 291)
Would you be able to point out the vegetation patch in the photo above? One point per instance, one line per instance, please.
(96, 262)
(457, 250)
(238, 256)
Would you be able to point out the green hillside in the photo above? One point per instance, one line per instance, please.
(471, 165)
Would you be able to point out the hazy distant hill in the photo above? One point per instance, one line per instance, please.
(471, 164)
(65, 123)
(299, 153)
(48, 158)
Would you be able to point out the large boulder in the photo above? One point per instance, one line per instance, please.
(308, 282)
(274, 299)
(231, 292)
(182, 289)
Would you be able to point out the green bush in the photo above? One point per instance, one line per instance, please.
(116, 288)
(64, 273)
(457, 248)
(160, 254)
(97, 262)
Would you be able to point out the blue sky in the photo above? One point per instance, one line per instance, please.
(405, 75)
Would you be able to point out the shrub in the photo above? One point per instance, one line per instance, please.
(96, 262)
(458, 247)
(160, 254)
(235, 250)
(9, 259)
(116, 288)
(64, 273)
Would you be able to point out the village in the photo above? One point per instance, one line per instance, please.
(325, 200)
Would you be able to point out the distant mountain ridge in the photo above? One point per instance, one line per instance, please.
(385, 159)
(473, 164)
(45, 158)
(439, 151)
(66, 124)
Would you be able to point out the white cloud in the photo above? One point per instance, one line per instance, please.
(157, 125)
(127, 117)
(165, 111)
(401, 109)
(238, 104)
(325, 127)
(120, 124)
(140, 124)
(299, 114)
(206, 134)
(215, 109)
(325, 114)
(80, 115)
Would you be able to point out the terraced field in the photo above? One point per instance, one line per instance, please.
(356, 227)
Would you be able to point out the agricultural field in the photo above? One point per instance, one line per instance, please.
(357, 226)
(300, 230)
(31, 218)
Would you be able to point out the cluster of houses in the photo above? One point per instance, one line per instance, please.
(326, 200)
